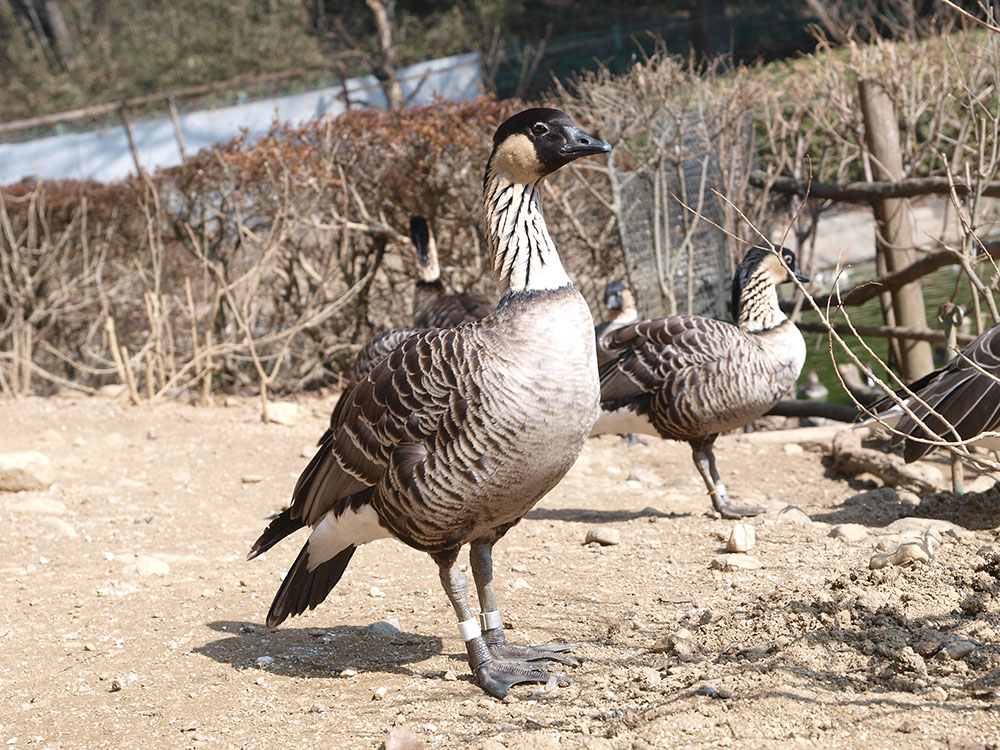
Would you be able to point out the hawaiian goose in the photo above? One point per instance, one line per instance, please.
(432, 306)
(620, 304)
(458, 432)
(965, 392)
(686, 377)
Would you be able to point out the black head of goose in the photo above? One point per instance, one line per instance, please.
(960, 401)
(620, 310)
(687, 377)
(433, 307)
(454, 435)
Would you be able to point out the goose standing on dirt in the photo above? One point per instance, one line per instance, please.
(433, 307)
(620, 306)
(458, 432)
(965, 392)
(687, 377)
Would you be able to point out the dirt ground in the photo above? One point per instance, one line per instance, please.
(129, 616)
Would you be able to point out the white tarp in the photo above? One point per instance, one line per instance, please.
(105, 155)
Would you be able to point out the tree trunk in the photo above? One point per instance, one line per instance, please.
(711, 29)
(388, 64)
(894, 241)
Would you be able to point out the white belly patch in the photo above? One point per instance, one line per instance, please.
(622, 422)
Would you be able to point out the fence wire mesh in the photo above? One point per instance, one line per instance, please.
(676, 261)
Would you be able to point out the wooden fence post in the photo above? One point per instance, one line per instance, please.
(893, 218)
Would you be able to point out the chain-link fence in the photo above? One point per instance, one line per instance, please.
(677, 260)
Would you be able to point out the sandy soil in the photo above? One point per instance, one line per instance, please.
(130, 618)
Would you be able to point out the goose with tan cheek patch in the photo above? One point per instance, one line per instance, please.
(691, 378)
(456, 434)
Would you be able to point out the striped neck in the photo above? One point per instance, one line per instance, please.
(759, 309)
(524, 256)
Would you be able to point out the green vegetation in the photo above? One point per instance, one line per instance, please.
(116, 49)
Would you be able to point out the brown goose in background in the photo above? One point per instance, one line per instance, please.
(967, 397)
(620, 306)
(432, 306)
(458, 432)
(686, 377)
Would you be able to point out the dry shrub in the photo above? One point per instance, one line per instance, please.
(257, 265)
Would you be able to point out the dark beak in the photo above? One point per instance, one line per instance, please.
(799, 276)
(579, 143)
(420, 237)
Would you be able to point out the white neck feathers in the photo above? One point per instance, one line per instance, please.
(524, 256)
(759, 308)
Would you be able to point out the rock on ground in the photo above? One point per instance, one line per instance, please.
(25, 470)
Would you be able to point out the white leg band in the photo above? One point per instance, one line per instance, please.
(469, 629)
(490, 620)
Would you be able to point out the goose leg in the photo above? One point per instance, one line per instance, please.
(481, 558)
(704, 459)
(632, 440)
(493, 675)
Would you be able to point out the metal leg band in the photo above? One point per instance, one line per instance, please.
(490, 620)
(469, 629)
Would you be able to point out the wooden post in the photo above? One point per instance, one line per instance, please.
(172, 103)
(131, 140)
(950, 316)
(893, 218)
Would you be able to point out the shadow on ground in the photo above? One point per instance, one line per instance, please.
(318, 652)
(589, 515)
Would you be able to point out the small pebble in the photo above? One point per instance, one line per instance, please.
(380, 693)
(146, 565)
(959, 649)
(604, 536)
(116, 684)
(645, 477)
(252, 478)
(264, 661)
(742, 538)
(906, 554)
(376, 592)
(793, 449)
(450, 676)
(851, 533)
(348, 673)
(937, 694)
(793, 514)
(318, 708)
(735, 561)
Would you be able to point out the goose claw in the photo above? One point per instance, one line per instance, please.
(537, 654)
(496, 641)
(734, 512)
(496, 678)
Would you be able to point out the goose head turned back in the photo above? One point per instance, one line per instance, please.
(455, 434)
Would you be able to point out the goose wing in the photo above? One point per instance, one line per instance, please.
(388, 419)
(968, 399)
(652, 354)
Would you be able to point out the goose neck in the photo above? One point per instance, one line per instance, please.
(759, 308)
(524, 257)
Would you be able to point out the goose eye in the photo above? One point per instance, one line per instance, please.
(540, 128)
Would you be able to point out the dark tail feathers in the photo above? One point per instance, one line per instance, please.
(281, 526)
(302, 589)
